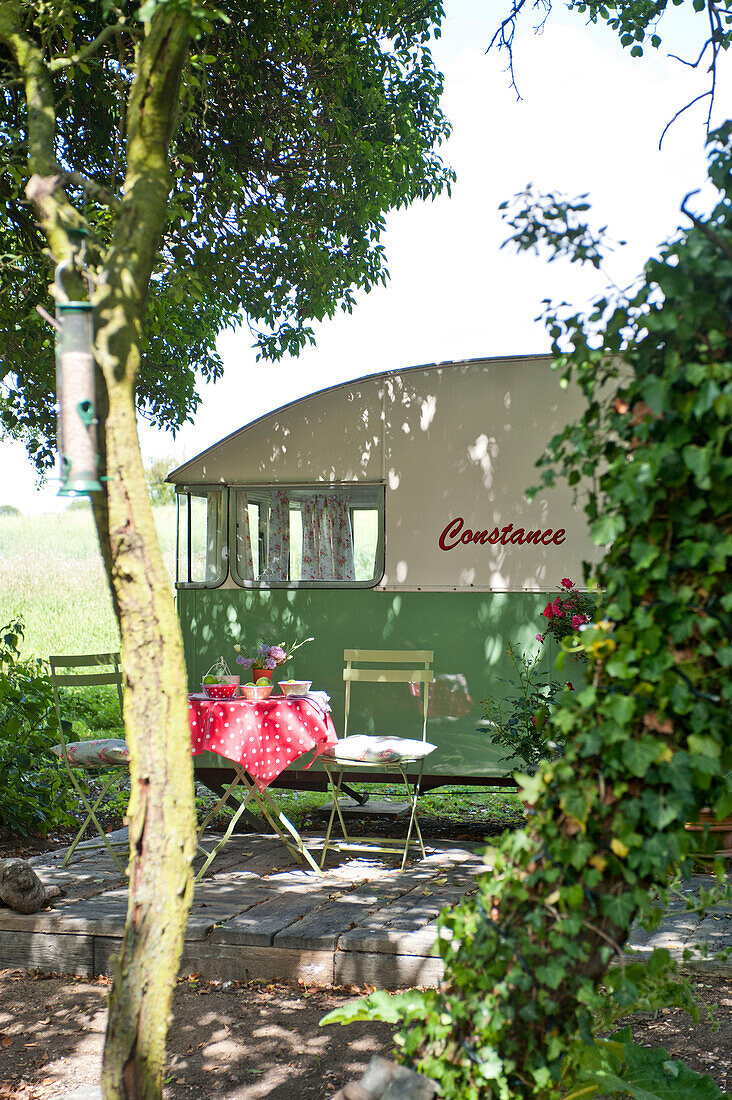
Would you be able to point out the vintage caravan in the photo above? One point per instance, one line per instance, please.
(389, 512)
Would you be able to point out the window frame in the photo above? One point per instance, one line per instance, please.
(188, 491)
(349, 486)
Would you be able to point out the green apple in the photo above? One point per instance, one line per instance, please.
(262, 682)
(250, 684)
(210, 680)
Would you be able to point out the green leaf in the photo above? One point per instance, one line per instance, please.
(655, 393)
(650, 1074)
(552, 973)
(697, 460)
(389, 1007)
(704, 746)
(606, 529)
(639, 755)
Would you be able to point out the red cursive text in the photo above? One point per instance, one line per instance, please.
(455, 535)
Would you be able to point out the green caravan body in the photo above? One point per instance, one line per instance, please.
(387, 513)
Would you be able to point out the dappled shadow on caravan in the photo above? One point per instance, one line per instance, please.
(390, 512)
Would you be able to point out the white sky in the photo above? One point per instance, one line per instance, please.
(589, 121)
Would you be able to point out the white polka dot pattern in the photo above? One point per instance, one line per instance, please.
(248, 733)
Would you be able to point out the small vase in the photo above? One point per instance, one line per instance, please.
(262, 674)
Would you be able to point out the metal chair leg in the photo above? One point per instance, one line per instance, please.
(413, 797)
(211, 856)
(335, 790)
(414, 833)
(91, 816)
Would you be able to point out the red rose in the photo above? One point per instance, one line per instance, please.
(549, 610)
(566, 582)
(569, 686)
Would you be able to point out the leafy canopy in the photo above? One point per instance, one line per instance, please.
(300, 126)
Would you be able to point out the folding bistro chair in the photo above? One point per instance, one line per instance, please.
(361, 753)
(104, 757)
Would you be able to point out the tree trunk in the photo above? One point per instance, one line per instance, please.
(161, 813)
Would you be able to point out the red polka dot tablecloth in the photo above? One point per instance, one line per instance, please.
(263, 737)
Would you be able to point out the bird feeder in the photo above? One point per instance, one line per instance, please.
(76, 422)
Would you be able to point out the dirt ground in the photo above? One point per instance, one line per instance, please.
(235, 1041)
(252, 1040)
(228, 1040)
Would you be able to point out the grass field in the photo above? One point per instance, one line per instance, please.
(51, 575)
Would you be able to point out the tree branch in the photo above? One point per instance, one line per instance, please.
(151, 116)
(59, 63)
(708, 232)
(95, 190)
(680, 112)
(43, 188)
(504, 36)
(718, 39)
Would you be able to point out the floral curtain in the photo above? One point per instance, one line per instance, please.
(215, 537)
(244, 561)
(278, 557)
(327, 539)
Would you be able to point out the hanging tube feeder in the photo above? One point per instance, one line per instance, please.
(76, 423)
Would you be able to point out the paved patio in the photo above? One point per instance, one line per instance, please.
(257, 914)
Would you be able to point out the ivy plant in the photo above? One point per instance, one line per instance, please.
(647, 738)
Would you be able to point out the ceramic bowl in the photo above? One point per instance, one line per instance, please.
(219, 691)
(296, 687)
(256, 693)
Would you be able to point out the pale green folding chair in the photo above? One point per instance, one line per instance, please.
(103, 757)
(362, 753)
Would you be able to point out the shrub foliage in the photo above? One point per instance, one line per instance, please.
(33, 794)
(647, 739)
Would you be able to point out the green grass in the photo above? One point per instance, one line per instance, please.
(458, 804)
(51, 575)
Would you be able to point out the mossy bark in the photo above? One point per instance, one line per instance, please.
(161, 812)
(161, 809)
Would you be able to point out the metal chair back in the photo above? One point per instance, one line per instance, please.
(61, 677)
(374, 673)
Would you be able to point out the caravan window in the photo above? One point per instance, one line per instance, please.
(300, 536)
(202, 537)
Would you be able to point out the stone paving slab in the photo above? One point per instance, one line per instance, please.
(684, 930)
(258, 914)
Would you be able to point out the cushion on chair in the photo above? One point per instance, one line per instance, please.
(95, 754)
(370, 749)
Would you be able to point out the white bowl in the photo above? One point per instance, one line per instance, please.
(256, 693)
(296, 687)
